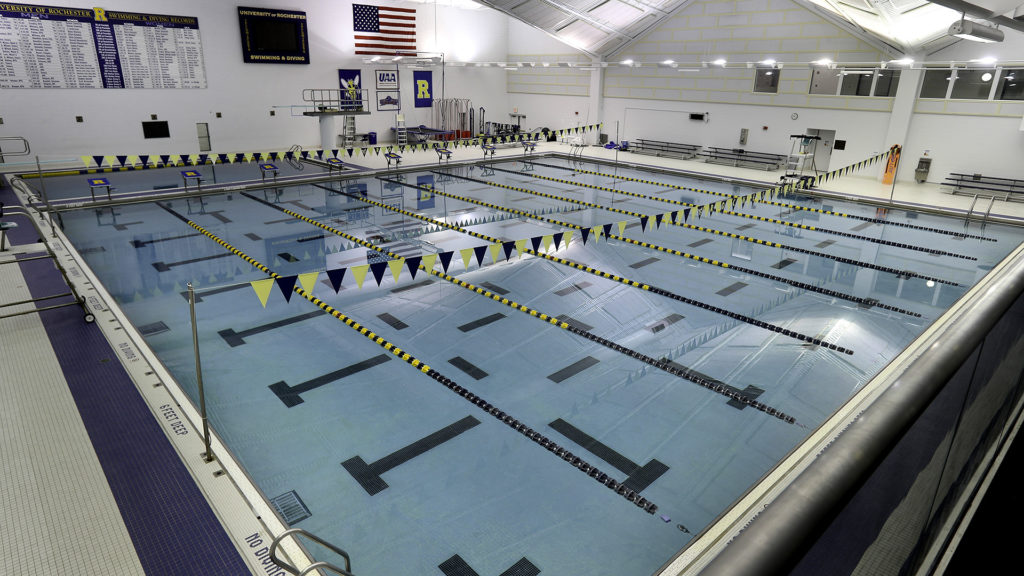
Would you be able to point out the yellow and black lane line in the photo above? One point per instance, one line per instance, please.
(500, 415)
(663, 365)
(769, 243)
(868, 302)
(721, 211)
(782, 191)
(621, 279)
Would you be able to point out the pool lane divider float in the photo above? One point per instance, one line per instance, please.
(508, 420)
(686, 212)
(753, 198)
(717, 207)
(620, 279)
(716, 387)
(795, 283)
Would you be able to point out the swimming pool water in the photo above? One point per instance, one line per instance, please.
(409, 477)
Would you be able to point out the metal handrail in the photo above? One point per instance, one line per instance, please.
(336, 100)
(27, 149)
(346, 571)
(987, 212)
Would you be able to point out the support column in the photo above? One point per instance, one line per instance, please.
(328, 132)
(902, 115)
(596, 98)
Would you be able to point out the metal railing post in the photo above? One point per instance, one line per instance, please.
(208, 455)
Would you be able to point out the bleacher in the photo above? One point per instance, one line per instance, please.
(988, 186)
(662, 148)
(741, 157)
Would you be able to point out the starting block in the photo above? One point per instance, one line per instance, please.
(95, 183)
(268, 167)
(393, 156)
(444, 153)
(528, 147)
(334, 163)
(488, 149)
(194, 175)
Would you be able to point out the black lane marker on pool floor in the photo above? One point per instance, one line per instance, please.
(731, 288)
(481, 322)
(456, 566)
(749, 391)
(162, 267)
(643, 263)
(781, 194)
(783, 263)
(639, 477)
(369, 475)
(506, 419)
(143, 243)
(291, 395)
(700, 242)
(238, 338)
(573, 369)
(571, 289)
(411, 286)
(575, 323)
(720, 211)
(392, 321)
(468, 367)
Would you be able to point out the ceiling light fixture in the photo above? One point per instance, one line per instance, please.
(902, 61)
(975, 32)
(822, 62)
(720, 62)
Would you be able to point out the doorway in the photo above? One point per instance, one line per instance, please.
(203, 131)
(823, 149)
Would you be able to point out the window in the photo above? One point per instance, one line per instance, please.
(887, 82)
(935, 83)
(766, 80)
(824, 81)
(1011, 84)
(856, 82)
(973, 84)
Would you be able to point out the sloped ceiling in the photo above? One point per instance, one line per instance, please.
(603, 27)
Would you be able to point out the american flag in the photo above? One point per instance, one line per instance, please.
(384, 31)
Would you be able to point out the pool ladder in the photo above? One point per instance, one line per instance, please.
(294, 158)
(346, 571)
(984, 218)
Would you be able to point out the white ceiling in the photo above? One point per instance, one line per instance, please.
(602, 28)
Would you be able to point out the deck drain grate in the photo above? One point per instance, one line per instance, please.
(291, 508)
(154, 328)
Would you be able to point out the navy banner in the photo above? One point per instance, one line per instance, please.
(424, 88)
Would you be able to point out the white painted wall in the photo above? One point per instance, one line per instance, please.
(246, 93)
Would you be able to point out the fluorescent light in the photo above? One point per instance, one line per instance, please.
(375, 59)
(626, 62)
(902, 61)
(988, 60)
(822, 62)
(767, 62)
(720, 62)
(975, 32)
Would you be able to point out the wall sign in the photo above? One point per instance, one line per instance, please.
(388, 100)
(271, 36)
(387, 79)
(60, 47)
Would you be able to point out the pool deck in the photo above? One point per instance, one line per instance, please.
(103, 469)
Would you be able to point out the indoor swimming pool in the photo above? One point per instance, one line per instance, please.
(593, 364)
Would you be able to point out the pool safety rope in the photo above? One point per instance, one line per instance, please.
(700, 209)
(477, 401)
(751, 197)
(795, 283)
(619, 279)
(732, 394)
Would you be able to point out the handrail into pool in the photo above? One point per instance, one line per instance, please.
(775, 539)
(316, 565)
